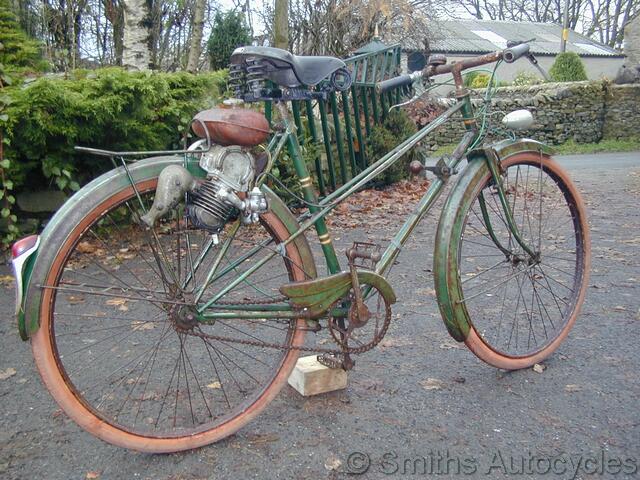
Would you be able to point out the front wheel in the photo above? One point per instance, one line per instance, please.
(119, 345)
(512, 308)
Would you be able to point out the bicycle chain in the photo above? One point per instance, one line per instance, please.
(349, 350)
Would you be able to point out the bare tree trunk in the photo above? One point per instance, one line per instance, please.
(281, 24)
(195, 46)
(136, 54)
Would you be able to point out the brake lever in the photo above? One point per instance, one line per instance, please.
(534, 62)
(419, 90)
(531, 57)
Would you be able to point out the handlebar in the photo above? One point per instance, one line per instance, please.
(399, 81)
(512, 54)
(509, 55)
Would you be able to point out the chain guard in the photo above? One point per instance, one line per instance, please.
(340, 293)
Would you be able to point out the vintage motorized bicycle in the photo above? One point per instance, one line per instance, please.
(188, 285)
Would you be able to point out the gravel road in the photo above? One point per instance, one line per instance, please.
(578, 418)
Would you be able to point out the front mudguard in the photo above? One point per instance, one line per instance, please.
(71, 213)
(452, 311)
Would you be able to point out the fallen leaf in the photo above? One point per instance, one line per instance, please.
(332, 463)
(619, 308)
(538, 368)
(121, 303)
(86, 247)
(75, 299)
(6, 279)
(432, 384)
(140, 325)
(9, 372)
(92, 475)
(395, 342)
(214, 385)
(572, 388)
(116, 301)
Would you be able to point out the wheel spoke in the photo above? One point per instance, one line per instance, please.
(520, 310)
(154, 381)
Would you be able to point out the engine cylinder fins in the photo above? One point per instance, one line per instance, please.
(206, 209)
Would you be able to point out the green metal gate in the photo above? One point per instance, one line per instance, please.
(339, 126)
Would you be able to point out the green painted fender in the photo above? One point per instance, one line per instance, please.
(316, 296)
(445, 266)
(69, 215)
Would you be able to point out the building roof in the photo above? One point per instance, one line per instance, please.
(483, 36)
(374, 45)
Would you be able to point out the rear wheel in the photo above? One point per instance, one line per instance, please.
(512, 308)
(120, 345)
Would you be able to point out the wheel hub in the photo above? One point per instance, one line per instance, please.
(184, 317)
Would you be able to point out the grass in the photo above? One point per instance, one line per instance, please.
(572, 148)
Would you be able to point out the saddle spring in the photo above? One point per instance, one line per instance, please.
(237, 80)
(247, 81)
(255, 79)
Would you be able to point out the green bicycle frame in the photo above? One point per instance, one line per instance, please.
(318, 209)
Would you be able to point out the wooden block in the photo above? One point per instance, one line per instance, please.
(310, 377)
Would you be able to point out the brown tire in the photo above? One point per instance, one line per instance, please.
(55, 367)
(490, 285)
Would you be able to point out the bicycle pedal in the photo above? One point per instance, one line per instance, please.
(364, 255)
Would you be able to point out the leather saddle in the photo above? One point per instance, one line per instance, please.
(286, 69)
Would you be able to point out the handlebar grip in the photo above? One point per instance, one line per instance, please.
(394, 82)
(512, 54)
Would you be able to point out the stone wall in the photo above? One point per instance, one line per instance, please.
(580, 111)
(622, 112)
(632, 41)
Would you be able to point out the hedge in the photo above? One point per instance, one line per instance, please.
(109, 108)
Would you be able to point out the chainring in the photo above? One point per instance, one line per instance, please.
(376, 317)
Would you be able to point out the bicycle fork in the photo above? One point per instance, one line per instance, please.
(494, 167)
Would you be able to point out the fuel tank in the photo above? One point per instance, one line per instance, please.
(232, 126)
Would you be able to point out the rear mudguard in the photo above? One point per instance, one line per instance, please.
(452, 312)
(111, 182)
(315, 297)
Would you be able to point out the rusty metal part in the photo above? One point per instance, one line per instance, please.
(364, 251)
(232, 126)
(359, 313)
(441, 169)
(341, 329)
(331, 360)
(437, 59)
(343, 352)
(416, 167)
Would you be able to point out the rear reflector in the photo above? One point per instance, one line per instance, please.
(23, 245)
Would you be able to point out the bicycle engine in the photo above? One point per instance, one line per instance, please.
(231, 171)
(224, 194)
